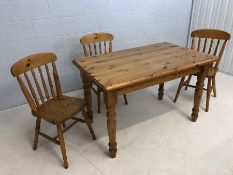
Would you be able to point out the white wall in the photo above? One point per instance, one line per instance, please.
(30, 26)
(216, 14)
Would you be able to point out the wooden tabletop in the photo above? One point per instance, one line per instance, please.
(124, 68)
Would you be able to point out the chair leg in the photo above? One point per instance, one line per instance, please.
(37, 130)
(125, 98)
(188, 81)
(62, 144)
(214, 86)
(64, 124)
(98, 99)
(88, 124)
(209, 89)
(179, 88)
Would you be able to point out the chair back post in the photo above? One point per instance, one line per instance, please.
(215, 38)
(96, 43)
(27, 94)
(221, 54)
(57, 80)
(32, 80)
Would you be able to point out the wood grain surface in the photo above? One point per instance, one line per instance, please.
(123, 68)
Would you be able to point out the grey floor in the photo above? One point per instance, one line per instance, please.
(154, 137)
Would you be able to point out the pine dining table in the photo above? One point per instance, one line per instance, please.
(126, 71)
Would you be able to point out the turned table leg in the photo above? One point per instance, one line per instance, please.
(110, 100)
(161, 91)
(87, 95)
(198, 92)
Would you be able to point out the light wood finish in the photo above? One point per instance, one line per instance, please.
(129, 70)
(62, 145)
(96, 44)
(213, 42)
(110, 100)
(118, 70)
(87, 95)
(51, 107)
(198, 92)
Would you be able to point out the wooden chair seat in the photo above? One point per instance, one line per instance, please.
(60, 110)
(211, 72)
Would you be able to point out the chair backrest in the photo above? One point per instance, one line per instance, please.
(210, 41)
(97, 43)
(37, 92)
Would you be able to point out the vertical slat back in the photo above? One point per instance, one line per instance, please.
(193, 43)
(221, 53)
(36, 82)
(85, 50)
(97, 40)
(100, 47)
(43, 83)
(57, 81)
(32, 89)
(95, 48)
(90, 51)
(37, 86)
(216, 47)
(211, 45)
(199, 44)
(27, 94)
(50, 81)
(105, 47)
(204, 47)
(212, 41)
(110, 46)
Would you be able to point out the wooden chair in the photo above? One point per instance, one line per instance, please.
(95, 44)
(213, 42)
(47, 103)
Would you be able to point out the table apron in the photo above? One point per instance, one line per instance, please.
(156, 81)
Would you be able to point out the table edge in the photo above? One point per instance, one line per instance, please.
(149, 78)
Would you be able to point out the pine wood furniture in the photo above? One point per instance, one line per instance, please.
(96, 44)
(129, 70)
(44, 96)
(209, 41)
